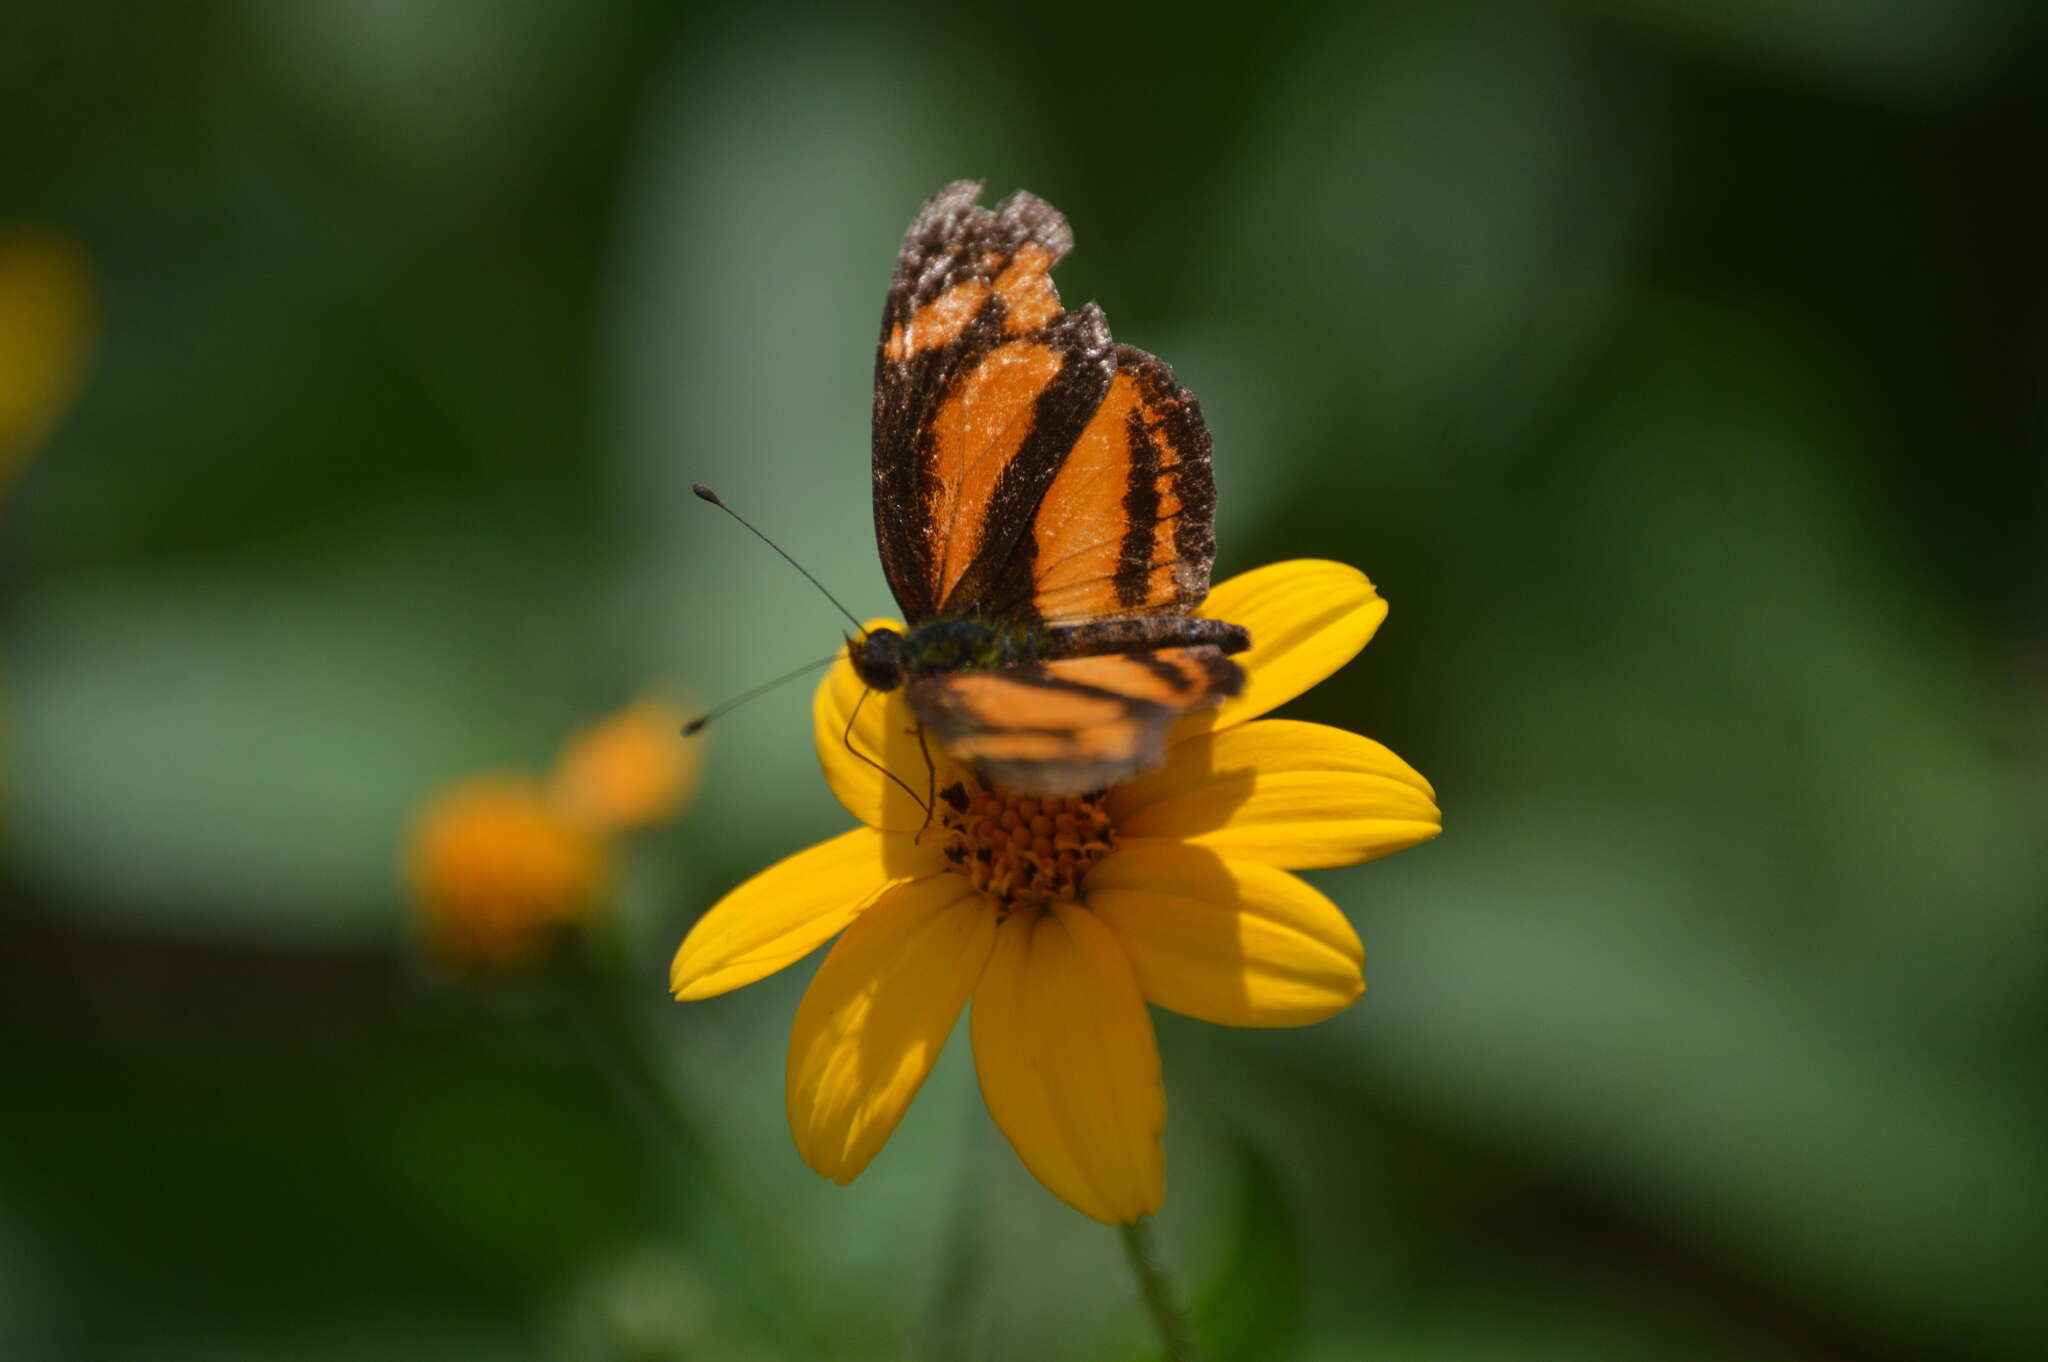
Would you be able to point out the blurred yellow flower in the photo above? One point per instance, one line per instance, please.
(45, 318)
(1063, 918)
(499, 873)
(502, 866)
(45, 315)
(627, 770)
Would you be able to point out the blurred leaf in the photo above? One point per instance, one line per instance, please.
(1909, 48)
(1545, 989)
(434, 1181)
(454, 99)
(1673, 369)
(1436, 224)
(1251, 1309)
(235, 752)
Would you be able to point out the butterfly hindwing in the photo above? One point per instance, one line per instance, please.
(1071, 724)
(1127, 526)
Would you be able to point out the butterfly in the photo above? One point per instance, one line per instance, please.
(1045, 510)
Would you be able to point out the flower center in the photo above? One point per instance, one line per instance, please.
(1024, 851)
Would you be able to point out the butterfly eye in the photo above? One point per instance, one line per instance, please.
(878, 659)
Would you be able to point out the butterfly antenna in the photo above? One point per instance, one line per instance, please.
(706, 494)
(696, 725)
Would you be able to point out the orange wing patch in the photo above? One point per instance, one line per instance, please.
(939, 322)
(987, 702)
(974, 435)
(1026, 288)
(1080, 525)
(1181, 679)
(1125, 527)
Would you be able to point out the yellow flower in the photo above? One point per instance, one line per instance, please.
(628, 770)
(45, 314)
(499, 873)
(1062, 919)
(503, 866)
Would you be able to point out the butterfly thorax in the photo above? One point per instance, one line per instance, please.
(971, 645)
(884, 658)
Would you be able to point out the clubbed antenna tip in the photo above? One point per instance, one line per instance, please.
(706, 494)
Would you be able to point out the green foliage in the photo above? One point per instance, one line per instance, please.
(1672, 369)
(1251, 1308)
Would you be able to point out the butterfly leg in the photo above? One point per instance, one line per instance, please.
(931, 784)
(846, 738)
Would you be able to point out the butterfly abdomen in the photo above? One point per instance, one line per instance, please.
(1144, 631)
(975, 645)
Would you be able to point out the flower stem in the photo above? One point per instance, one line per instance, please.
(1157, 1290)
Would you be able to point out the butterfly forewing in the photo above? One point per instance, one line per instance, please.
(995, 457)
(1126, 527)
(982, 385)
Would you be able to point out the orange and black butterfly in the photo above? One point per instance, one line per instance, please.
(1045, 510)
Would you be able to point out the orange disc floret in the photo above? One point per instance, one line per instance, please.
(1023, 851)
(498, 872)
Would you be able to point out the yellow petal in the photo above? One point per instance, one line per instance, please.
(1068, 1065)
(1290, 794)
(883, 731)
(793, 907)
(1307, 618)
(876, 1015)
(1231, 942)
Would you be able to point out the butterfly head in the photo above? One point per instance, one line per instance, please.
(879, 658)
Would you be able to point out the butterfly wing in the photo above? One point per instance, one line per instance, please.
(1027, 469)
(1127, 525)
(983, 384)
(1071, 725)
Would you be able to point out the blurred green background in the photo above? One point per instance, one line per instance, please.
(1676, 370)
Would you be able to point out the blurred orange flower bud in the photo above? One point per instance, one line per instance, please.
(45, 318)
(627, 770)
(498, 873)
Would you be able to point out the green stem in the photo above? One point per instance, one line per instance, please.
(1156, 1288)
